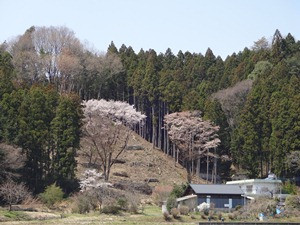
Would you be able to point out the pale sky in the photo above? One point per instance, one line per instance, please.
(226, 26)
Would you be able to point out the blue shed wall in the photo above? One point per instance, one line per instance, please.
(220, 200)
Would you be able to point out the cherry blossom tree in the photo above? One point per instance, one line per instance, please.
(193, 137)
(91, 179)
(106, 131)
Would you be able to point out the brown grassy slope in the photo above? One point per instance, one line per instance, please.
(148, 163)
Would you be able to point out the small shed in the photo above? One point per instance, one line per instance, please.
(189, 201)
(221, 195)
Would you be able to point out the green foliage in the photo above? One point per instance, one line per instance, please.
(171, 202)
(47, 126)
(6, 73)
(65, 129)
(178, 190)
(266, 131)
(261, 68)
(289, 188)
(16, 215)
(122, 202)
(51, 195)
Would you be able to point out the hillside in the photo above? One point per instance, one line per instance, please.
(144, 165)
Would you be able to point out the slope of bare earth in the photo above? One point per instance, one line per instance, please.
(143, 164)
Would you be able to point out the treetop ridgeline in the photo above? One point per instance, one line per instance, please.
(252, 97)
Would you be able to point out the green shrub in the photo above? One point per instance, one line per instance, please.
(178, 190)
(171, 203)
(111, 209)
(51, 195)
(289, 188)
(122, 202)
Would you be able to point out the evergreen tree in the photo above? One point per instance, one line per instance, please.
(35, 116)
(65, 129)
(6, 73)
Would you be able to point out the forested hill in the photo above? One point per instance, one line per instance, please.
(253, 95)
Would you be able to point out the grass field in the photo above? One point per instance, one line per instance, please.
(150, 215)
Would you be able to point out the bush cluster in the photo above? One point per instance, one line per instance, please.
(84, 203)
(51, 195)
(175, 213)
(184, 210)
(111, 209)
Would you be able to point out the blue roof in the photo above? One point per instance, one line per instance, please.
(216, 189)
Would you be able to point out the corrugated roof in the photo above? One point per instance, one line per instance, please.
(216, 189)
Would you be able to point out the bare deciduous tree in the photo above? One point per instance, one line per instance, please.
(232, 99)
(261, 44)
(293, 162)
(11, 159)
(13, 193)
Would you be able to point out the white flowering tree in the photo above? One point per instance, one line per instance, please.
(106, 131)
(192, 136)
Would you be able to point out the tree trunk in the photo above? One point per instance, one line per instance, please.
(189, 177)
(153, 127)
(215, 166)
(207, 166)
(174, 153)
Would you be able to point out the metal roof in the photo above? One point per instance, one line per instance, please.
(253, 181)
(216, 189)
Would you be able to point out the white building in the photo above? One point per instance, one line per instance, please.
(259, 187)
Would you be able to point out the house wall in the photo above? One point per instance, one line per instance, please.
(222, 201)
(260, 188)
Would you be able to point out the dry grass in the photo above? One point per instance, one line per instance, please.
(144, 164)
